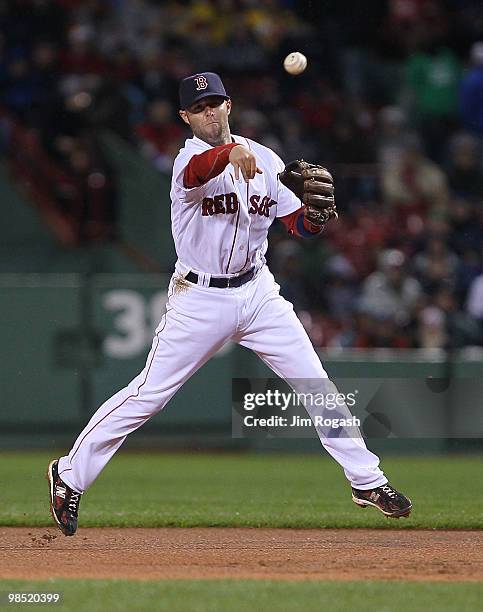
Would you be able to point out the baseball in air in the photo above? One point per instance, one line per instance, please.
(295, 63)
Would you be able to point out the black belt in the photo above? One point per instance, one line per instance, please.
(223, 283)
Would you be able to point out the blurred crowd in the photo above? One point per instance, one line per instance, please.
(391, 103)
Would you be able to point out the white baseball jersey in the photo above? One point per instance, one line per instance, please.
(220, 228)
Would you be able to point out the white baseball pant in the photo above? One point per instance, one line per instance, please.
(198, 322)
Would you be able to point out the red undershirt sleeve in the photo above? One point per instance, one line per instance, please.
(297, 224)
(205, 166)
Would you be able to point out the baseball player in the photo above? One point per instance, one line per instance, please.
(226, 191)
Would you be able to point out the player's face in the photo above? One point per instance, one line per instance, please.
(208, 119)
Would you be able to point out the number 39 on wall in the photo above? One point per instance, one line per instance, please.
(135, 318)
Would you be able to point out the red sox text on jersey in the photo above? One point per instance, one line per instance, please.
(227, 203)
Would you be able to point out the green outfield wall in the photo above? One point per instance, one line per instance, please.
(69, 341)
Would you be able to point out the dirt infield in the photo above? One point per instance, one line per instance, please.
(284, 554)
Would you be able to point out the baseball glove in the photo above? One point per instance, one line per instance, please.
(314, 185)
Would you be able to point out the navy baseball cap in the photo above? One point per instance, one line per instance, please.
(199, 86)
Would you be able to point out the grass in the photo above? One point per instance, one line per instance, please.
(158, 490)
(249, 595)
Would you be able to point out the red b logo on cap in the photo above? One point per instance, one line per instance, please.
(201, 83)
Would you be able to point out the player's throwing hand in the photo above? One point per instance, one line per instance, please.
(243, 159)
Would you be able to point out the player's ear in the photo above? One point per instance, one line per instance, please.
(184, 116)
(228, 106)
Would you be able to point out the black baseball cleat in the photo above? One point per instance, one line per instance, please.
(64, 501)
(385, 498)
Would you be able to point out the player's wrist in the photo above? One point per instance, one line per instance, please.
(307, 228)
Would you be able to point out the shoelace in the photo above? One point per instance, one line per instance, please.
(390, 492)
(74, 502)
